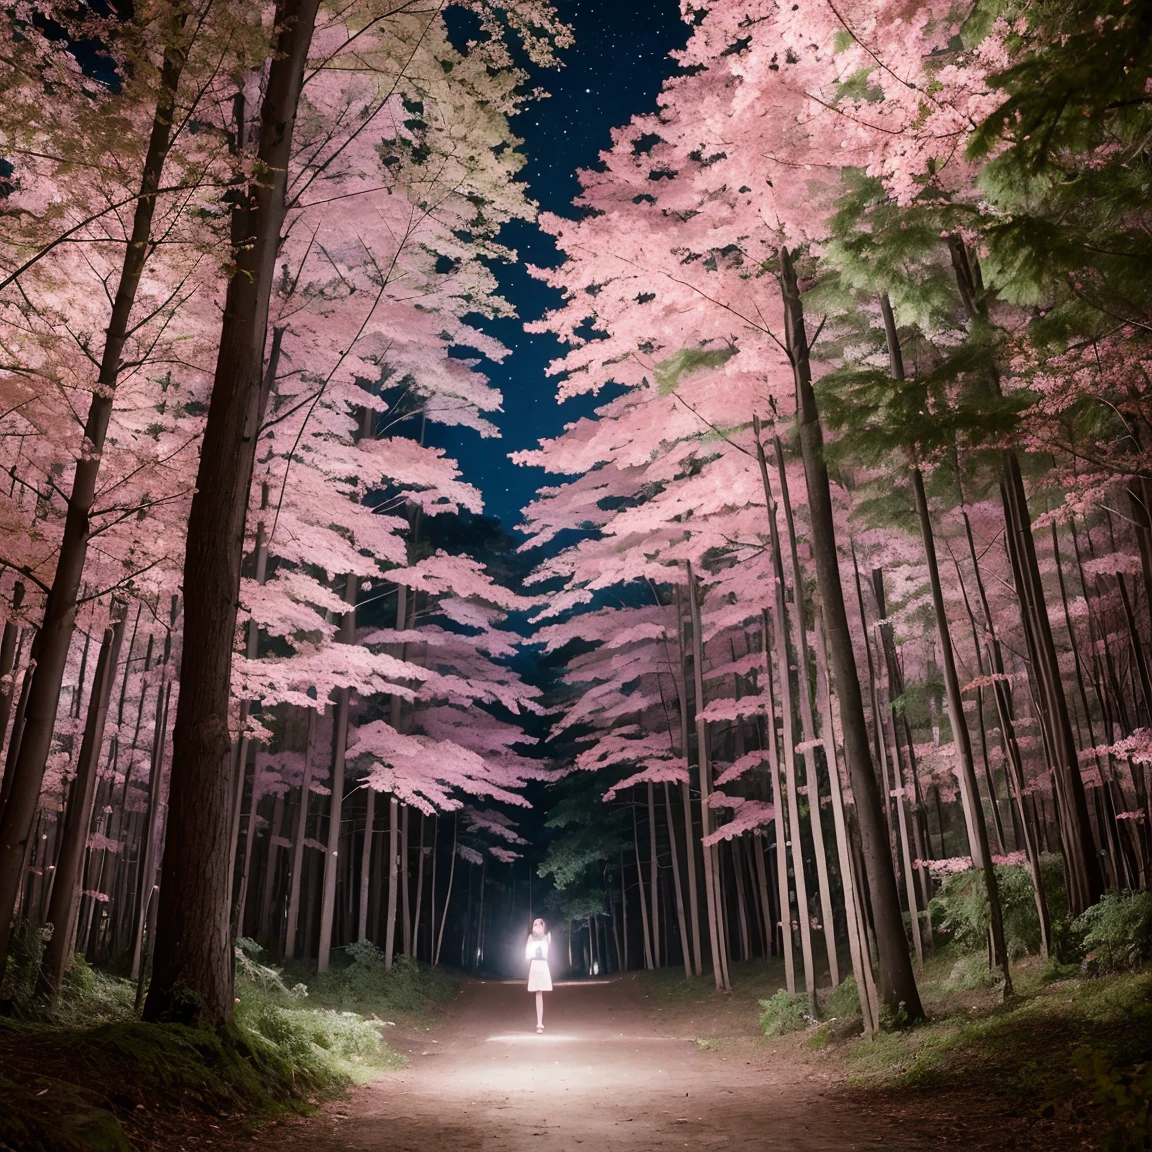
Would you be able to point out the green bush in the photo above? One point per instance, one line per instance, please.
(1125, 1094)
(25, 952)
(1117, 932)
(841, 1002)
(971, 973)
(784, 1013)
(960, 906)
(361, 982)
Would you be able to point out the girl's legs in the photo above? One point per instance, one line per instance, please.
(539, 1011)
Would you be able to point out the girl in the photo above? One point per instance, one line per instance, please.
(539, 978)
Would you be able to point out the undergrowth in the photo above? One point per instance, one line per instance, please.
(79, 1077)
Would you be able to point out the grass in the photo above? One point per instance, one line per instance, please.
(92, 1078)
(1066, 1050)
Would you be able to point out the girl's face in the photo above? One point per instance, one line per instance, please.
(537, 927)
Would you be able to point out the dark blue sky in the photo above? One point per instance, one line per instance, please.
(614, 70)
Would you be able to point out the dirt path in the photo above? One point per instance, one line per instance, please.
(604, 1076)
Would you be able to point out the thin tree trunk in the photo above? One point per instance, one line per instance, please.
(653, 877)
(65, 900)
(897, 980)
(808, 725)
(857, 938)
(686, 798)
(681, 919)
(784, 896)
(448, 894)
(711, 887)
(969, 789)
(791, 784)
(645, 923)
(366, 863)
(296, 867)
(418, 908)
(8, 652)
(336, 800)
(405, 902)
(49, 655)
(1086, 884)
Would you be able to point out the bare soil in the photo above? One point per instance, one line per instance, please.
(611, 1072)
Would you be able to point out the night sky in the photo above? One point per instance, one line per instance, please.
(613, 71)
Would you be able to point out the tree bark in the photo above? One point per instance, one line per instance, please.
(686, 798)
(65, 902)
(711, 885)
(192, 972)
(1086, 884)
(897, 980)
(54, 638)
(336, 800)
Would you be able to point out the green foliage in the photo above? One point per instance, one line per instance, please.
(841, 1002)
(960, 906)
(25, 953)
(668, 372)
(1117, 932)
(970, 972)
(360, 981)
(1125, 1094)
(784, 1013)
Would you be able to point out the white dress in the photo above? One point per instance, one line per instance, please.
(536, 951)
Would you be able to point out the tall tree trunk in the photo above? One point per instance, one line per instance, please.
(296, 866)
(788, 733)
(784, 896)
(685, 795)
(332, 859)
(1086, 884)
(969, 788)
(8, 652)
(711, 885)
(857, 937)
(645, 922)
(405, 902)
(807, 722)
(1012, 757)
(653, 877)
(192, 972)
(65, 900)
(366, 864)
(681, 919)
(448, 894)
(897, 981)
(54, 638)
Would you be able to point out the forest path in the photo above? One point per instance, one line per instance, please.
(604, 1077)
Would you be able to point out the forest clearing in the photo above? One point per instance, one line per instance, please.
(654, 498)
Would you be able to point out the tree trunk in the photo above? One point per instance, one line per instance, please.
(336, 800)
(1086, 884)
(192, 972)
(686, 798)
(448, 894)
(857, 938)
(65, 900)
(711, 881)
(645, 922)
(969, 788)
(681, 919)
(50, 649)
(296, 867)
(405, 902)
(897, 981)
(653, 878)
(788, 733)
(8, 652)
